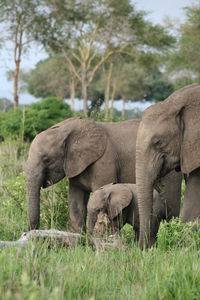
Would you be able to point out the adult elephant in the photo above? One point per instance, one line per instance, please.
(91, 155)
(169, 138)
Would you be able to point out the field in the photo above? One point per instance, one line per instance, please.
(170, 270)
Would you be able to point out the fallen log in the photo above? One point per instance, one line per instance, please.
(60, 238)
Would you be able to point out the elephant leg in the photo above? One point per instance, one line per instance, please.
(172, 182)
(156, 219)
(136, 227)
(133, 220)
(77, 201)
(191, 202)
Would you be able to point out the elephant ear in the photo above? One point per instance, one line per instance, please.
(120, 198)
(83, 147)
(190, 128)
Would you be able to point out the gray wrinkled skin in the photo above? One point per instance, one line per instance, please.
(169, 138)
(91, 155)
(114, 205)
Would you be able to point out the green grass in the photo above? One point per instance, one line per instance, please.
(170, 270)
(81, 273)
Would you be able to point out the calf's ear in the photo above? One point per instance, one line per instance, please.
(118, 200)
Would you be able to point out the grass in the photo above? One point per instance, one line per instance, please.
(170, 270)
(81, 273)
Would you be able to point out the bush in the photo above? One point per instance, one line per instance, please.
(160, 90)
(14, 209)
(13, 199)
(34, 118)
(175, 234)
(54, 207)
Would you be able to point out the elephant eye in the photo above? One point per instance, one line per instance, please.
(46, 160)
(157, 142)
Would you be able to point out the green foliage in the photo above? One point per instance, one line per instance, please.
(81, 273)
(128, 235)
(44, 114)
(170, 270)
(13, 208)
(50, 78)
(189, 40)
(160, 90)
(11, 123)
(31, 120)
(89, 35)
(175, 234)
(54, 208)
(13, 203)
(184, 64)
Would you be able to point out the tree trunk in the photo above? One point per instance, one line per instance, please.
(123, 107)
(16, 97)
(107, 92)
(112, 98)
(84, 89)
(17, 59)
(72, 89)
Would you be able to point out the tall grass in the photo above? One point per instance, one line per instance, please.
(170, 270)
(81, 273)
(13, 199)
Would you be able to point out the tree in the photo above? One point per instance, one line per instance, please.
(36, 118)
(132, 84)
(90, 32)
(184, 63)
(190, 38)
(52, 78)
(5, 104)
(49, 78)
(17, 17)
(160, 89)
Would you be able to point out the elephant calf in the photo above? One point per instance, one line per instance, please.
(114, 205)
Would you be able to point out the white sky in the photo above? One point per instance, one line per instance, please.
(158, 10)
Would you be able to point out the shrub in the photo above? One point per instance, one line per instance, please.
(34, 118)
(175, 234)
(14, 209)
(54, 206)
(13, 199)
(128, 235)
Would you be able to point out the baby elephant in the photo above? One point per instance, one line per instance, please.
(114, 205)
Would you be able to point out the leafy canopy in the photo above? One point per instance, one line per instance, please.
(34, 118)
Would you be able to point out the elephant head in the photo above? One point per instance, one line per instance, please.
(107, 202)
(168, 138)
(65, 149)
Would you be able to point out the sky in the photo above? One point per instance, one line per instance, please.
(157, 9)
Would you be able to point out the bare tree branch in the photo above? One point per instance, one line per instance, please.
(102, 60)
(71, 66)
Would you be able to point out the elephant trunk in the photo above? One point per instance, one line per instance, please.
(145, 203)
(92, 219)
(33, 191)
